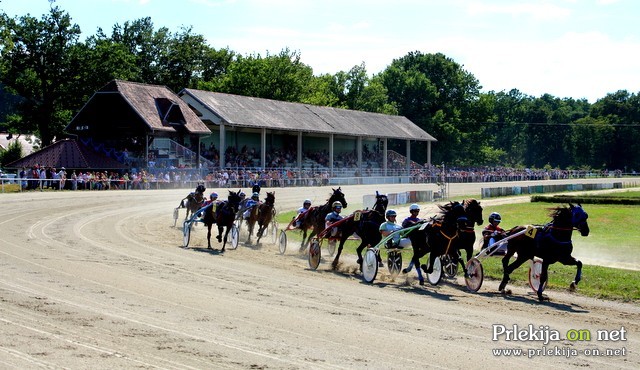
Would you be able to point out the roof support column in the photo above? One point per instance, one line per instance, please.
(331, 155)
(408, 164)
(299, 157)
(359, 149)
(429, 153)
(263, 148)
(146, 149)
(222, 144)
(199, 165)
(384, 156)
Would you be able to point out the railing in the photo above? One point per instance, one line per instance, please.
(180, 152)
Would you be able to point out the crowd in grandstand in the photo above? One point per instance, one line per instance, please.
(38, 178)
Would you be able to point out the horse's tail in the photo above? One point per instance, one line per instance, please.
(182, 205)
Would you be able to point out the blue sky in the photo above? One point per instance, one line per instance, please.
(567, 48)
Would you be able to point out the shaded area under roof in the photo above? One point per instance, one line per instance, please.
(244, 111)
(70, 154)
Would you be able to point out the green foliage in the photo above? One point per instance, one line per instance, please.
(47, 75)
(13, 153)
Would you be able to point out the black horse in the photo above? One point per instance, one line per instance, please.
(364, 223)
(473, 214)
(225, 214)
(551, 242)
(263, 215)
(194, 201)
(314, 218)
(441, 235)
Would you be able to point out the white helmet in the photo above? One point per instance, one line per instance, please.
(414, 207)
(306, 201)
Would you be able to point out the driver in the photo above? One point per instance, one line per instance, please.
(254, 201)
(493, 232)
(302, 210)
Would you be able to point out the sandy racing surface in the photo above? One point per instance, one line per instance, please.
(99, 280)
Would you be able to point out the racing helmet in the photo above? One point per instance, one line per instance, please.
(390, 213)
(336, 205)
(306, 201)
(495, 216)
(242, 194)
(214, 195)
(414, 207)
(255, 196)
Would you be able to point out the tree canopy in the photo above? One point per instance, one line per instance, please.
(47, 74)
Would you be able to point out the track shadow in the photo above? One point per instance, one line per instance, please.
(532, 299)
(214, 252)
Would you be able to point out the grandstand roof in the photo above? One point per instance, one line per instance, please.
(250, 112)
(121, 106)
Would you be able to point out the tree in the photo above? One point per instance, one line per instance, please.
(35, 64)
(280, 77)
(13, 153)
(437, 94)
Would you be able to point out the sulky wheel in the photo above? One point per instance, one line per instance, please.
(475, 274)
(449, 266)
(273, 232)
(535, 269)
(370, 265)
(394, 263)
(435, 276)
(186, 232)
(282, 242)
(235, 235)
(314, 255)
(175, 216)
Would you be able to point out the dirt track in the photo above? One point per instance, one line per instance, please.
(99, 280)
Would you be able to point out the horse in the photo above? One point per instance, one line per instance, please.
(364, 223)
(225, 214)
(550, 242)
(473, 213)
(440, 236)
(262, 214)
(314, 217)
(194, 201)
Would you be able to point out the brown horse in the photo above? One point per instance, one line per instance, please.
(314, 218)
(262, 214)
(193, 202)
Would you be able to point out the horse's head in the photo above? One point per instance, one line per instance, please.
(572, 217)
(453, 215)
(271, 198)
(579, 219)
(382, 201)
(473, 210)
(200, 189)
(338, 195)
(234, 200)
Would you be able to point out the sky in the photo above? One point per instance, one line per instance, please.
(581, 49)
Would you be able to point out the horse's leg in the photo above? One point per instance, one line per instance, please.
(250, 231)
(302, 243)
(571, 261)
(359, 250)
(224, 244)
(219, 237)
(507, 268)
(334, 265)
(209, 236)
(543, 279)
